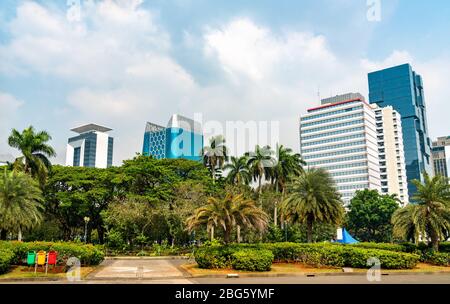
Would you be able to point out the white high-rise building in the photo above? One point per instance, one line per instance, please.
(341, 137)
(93, 147)
(391, 153)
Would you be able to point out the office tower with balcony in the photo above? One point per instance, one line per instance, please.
(441, 156)
(341, 137)
(93, 147)
(182, 138)
(391, 153)
(402, 88)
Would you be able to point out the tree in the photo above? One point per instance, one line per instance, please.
(369, 216)
(239, 171)
(215, 155)
(35, 152)
(20, 202)
(227, 213)
(130, 217)
(429, 215)
(312, 198)
(288, 166)
(260, 163)
(72, 193)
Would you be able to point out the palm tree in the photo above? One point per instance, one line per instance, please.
(260, 163)
(20, 202)
(215, 155)
(313, 197)
(239, 171)
(227, 213)
(35, 152)
(429, 216)
(288, 166)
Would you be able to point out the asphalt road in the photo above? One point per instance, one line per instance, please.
(166, 271)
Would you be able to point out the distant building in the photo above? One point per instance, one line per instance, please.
(441, 156)
(340, 136)
(402, 88)
(5, 159)
(182, 138)
(391, 153)
(93, 147)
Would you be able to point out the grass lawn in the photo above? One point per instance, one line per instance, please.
(298, 268)
(23, 272)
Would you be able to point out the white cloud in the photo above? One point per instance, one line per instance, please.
(118, 61)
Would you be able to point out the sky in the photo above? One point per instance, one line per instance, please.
(121, 63)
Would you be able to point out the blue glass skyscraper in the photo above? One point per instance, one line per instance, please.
(402, 88)
(182, 138)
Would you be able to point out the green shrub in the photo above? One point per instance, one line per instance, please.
(381, 246)
(6, 258)
(444, 247)
(87, 253)
(215, 257)
(252, 260)
(437, 258)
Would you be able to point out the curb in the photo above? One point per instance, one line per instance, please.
(175, 257)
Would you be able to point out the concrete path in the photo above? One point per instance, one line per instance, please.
(138, 269)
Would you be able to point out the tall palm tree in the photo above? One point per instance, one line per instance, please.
(239, 171)
(288, 166)
(35, 152)
(429, 216)
(20, 202)
(227, 213)
(260, 163)
(311, 198)
(215, 155)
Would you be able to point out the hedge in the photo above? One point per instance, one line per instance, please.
(6, 258)
(317, 255)
(252, 260)
(87, 253)
(438, 258)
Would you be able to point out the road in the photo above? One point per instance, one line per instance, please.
(167, 271)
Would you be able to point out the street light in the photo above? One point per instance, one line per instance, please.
(86, 221)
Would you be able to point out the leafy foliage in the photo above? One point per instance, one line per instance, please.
(369, 216)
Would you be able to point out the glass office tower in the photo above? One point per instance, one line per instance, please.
(182, 138)
(93, 147)
(402, 88)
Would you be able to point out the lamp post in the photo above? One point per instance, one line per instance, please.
(86, 221)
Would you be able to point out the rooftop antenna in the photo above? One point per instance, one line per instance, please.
(318, 94)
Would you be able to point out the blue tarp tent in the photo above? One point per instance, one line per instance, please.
(346, 238)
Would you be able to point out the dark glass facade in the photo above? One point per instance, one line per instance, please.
(402, 88)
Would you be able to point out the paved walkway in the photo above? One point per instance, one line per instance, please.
(138, 269)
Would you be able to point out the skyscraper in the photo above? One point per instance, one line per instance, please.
(402, 88)
(93, 147)
(391, 153)
(441, 156)
(340, 136)
(182, 138)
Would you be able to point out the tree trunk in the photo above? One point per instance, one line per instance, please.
(19, 234)
(101, 234)
(226, 235)
(275, 215)
(212, 233)
(238, 230)
(434, 242)
(309, 225)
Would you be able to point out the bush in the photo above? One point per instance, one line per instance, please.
(87, 253)
(444, 247)
(381, 246)
(6, 258)
(437, 258)
(317, 255)
(252, 260)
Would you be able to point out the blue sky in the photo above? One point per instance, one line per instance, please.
(125, 62)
